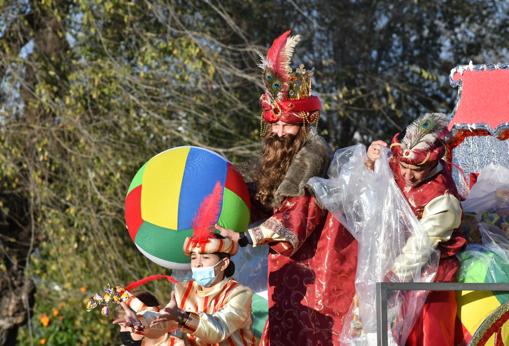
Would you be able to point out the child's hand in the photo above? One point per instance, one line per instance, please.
(129, 319)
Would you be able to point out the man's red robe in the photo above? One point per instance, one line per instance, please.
(437, 322)
(311, 286)
(312, 258)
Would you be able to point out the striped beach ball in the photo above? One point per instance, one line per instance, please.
(166, 193)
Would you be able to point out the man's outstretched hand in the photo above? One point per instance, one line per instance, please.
(228, 233)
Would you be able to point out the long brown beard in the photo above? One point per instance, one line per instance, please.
(277, 155)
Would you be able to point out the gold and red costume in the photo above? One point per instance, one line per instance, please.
(436, 203)
(219, 315)
(312, 257)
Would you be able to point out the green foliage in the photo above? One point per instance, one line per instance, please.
(109, 83)
(63, 325)
(97, 103)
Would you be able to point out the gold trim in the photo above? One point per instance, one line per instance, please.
(277, 227)
(488, 323)
(263, 126)
(428, 155)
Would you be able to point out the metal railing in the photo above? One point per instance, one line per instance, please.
(384, 289)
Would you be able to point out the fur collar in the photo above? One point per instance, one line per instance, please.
(311, 161)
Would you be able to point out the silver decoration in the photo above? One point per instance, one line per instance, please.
(459, 84)
(475, 153)
(471, 67)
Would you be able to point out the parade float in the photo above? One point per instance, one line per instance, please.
(480, 150)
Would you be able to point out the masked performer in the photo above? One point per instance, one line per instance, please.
(312, 258)
(212, 308)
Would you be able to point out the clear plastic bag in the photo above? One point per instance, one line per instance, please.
(488, 259)
(374, 210)
(488, 191)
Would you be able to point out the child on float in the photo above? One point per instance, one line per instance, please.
(212, 308)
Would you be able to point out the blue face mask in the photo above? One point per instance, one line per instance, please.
(204, 276)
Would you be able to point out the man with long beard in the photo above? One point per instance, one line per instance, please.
(312, 258)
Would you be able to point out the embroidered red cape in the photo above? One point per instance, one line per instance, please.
(310, 290)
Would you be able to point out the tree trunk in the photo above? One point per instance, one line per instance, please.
(19, 234)
(17, 289)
